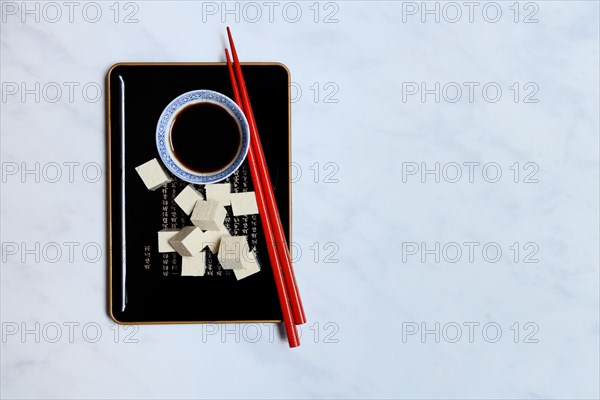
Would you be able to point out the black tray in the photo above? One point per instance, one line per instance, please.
(146, 286)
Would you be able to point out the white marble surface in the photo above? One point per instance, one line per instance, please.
(364, 303)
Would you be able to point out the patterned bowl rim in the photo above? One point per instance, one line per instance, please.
(164, 124)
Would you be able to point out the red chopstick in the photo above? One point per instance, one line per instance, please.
(265, 180)
(290, 327)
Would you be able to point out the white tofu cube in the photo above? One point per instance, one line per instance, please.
(188, 242)
(186, 200)
(218, 192)
(212, 239)
(243, 203)
(208, 215)
(153, 174)
(194, 265)
(163, 240)
(250, 267)
(232, 250)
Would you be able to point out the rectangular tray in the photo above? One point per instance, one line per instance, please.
(146, 286)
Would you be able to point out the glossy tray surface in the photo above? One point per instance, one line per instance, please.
(146, 286)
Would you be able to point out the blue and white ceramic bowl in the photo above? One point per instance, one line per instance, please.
(163, 136)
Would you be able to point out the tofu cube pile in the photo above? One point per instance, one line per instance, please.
(207, 229)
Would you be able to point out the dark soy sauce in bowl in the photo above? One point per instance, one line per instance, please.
(205, 137)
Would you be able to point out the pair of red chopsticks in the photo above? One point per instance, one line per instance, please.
(285, 281)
